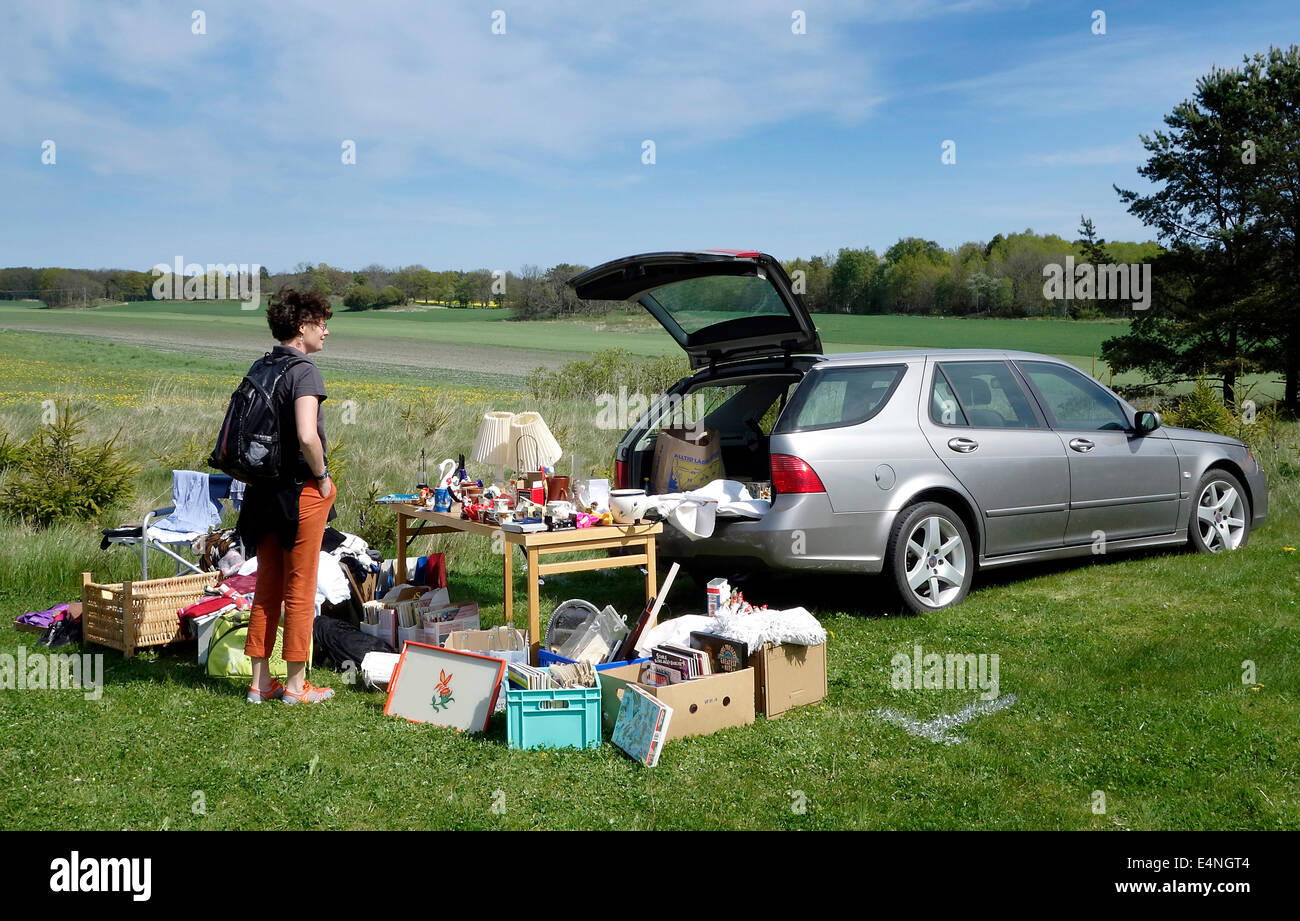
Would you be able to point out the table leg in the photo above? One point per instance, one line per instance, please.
(399, 570)
(534, 602)
(509, 591)
(651, 577)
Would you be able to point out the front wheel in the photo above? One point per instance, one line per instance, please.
(930, 557)
(1221, 516)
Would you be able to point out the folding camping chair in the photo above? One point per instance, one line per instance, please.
(148, 535)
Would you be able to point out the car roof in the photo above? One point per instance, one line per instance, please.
(887, 355)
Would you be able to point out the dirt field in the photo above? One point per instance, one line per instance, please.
(479, 366)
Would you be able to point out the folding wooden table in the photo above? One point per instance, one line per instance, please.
(638, 540)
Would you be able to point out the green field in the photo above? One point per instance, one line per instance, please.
(1127, 670)
(486, 348)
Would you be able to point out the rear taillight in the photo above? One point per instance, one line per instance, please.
(620, 474)
(792, 475)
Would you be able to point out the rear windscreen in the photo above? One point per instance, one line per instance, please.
(834, 397)
(700, 302)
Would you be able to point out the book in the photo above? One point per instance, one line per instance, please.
(697, 658)
(657, 676)
(726, 655)
(671, 661)
(642, 725)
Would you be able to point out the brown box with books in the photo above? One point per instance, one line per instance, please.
(700, 707)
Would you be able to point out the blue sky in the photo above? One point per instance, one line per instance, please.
(476, 149)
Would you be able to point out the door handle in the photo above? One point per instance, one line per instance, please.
(963, 445)
(1082, 445)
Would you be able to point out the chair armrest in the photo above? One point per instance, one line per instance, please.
(156, 513)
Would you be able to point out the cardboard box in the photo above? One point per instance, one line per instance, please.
(466, 618)
(787, 676)
(402, 593)
(494, 639)
(700, 707)
(685, 459)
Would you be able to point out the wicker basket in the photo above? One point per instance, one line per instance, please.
(131, 615)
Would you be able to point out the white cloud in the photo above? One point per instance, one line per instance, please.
(421, 87)
(1089, 156)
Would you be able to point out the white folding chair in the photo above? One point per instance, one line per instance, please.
(147, 536)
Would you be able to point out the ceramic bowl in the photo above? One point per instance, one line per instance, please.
(625, 505)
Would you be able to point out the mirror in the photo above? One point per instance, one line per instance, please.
(1145, 421)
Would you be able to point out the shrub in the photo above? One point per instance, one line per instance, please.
(360, 297)
(1259, 427)
(606, 372)
(55, 476)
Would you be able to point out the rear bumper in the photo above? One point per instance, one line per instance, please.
(800, 534)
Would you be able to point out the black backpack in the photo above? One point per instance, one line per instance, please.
(248, 447)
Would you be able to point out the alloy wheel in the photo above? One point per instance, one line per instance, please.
(1221, 516)
(936, 561)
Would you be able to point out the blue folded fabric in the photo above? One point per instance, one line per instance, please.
(195, 510)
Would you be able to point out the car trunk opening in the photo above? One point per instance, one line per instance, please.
(741, 408)
(718, 306)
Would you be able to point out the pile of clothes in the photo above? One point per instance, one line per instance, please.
(58, 626)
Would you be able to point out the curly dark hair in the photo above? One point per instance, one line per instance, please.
(290, 308)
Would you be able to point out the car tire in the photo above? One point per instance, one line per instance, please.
(1220, 518)
(945, 568)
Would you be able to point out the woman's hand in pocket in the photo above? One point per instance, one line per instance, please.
(326, 487)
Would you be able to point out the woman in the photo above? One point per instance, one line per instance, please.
(283, 523)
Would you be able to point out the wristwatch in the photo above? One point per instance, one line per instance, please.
(324, 474)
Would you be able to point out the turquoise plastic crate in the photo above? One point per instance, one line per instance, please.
(553, 718)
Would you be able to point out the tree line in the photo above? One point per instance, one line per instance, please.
(1001, 277)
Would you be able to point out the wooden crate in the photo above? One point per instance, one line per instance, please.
(131, 615)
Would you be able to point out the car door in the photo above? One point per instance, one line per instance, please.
(991, 436)
(1122, 484)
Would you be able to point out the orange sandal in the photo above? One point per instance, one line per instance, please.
(309, 694)
(274, 692)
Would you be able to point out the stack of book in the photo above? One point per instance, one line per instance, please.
(529, 677)
(671, 664)
(559, 676)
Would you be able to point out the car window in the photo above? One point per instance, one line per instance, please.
(988, 393)
(699, 302)
(944, 408)
(1075, 400)
(834, 397)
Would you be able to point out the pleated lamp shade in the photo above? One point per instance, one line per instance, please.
(492, 444)
(532, 446)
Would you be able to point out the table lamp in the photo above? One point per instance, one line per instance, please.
(492, 444)
(532, 446)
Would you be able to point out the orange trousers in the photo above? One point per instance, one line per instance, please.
(289, 578)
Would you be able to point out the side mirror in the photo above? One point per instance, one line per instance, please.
(1146, 421)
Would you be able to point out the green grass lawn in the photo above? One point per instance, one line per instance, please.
(1127, 670)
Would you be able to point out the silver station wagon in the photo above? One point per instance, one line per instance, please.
(922, 465)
